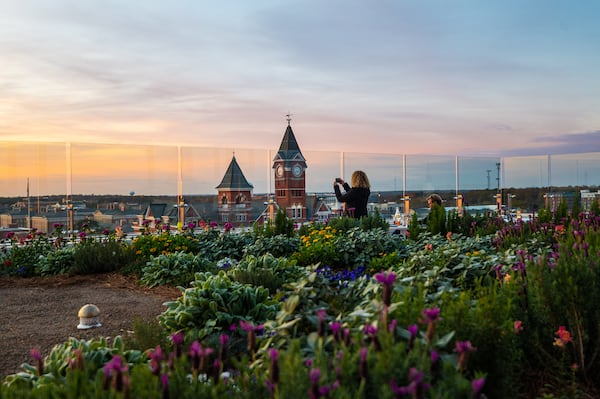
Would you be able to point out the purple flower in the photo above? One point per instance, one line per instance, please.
(431, 315)
(177, 339)
(477, 385)
(387, 279)
(37, 356)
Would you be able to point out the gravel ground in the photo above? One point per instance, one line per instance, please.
(42, 312)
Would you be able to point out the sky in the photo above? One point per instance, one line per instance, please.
(461, 77)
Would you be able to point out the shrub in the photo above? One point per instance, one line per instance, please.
(100, 256)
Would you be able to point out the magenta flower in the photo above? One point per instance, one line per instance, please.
(362, 366)
(321, 315)
(431, 315)
(37, 356)
(387, 279)
(156, 356)
(213, 224)
(477, 385)
(177, 339)
(274, 367)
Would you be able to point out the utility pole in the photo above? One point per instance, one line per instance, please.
(498, 178)
(488, 178)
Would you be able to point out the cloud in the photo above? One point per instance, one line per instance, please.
(560, 144)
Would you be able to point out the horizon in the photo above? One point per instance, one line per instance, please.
(53, 168)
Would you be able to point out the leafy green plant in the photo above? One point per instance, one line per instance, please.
(176, 268)
(265, 271)
(215, 302)
(23, 259)
(276, 245)
(58, 262)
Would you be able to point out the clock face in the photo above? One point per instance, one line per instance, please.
(279, 171)
(297, 170)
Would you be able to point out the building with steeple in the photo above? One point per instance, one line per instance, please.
(289, 168)
(234, 196)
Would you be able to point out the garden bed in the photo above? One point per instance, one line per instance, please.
(41, 312)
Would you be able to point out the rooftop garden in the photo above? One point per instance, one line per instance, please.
(470, 307)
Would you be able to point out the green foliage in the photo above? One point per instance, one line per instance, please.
(485, 316)
(595, 207)
(374, 221)
(436, 220)
(23, 259)
(215, 302)
(545, 215)
(343, 223)
(176, 268)
(414, 229)
(576, 210)
(58, 262)
(562, 211)
(283, 225)
(147, 334)
(100, 256)
(345, 248)
(146, 246)
(265, 271)
(277, 245)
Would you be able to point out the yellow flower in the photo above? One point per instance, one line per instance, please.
(507, 278)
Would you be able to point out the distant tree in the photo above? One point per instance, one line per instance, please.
(562, 212)
(576, 204)
(595, 208)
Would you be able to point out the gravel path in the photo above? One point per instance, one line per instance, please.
(42, 312)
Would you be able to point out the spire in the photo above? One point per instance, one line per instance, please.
(234, 178)
(289, 149)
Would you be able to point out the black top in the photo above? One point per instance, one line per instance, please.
(355, 197)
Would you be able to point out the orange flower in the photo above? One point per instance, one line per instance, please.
(428, 246)
(560, 229)
(564, 337)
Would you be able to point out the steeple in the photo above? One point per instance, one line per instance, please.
(289, 149)
(234, 178)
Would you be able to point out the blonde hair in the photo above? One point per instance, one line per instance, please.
(360, 179)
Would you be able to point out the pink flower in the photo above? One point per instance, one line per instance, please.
(518, 326)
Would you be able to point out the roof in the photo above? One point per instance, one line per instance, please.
(234, 178)
(289, 149)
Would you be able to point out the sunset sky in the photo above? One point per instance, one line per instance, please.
(392, 77)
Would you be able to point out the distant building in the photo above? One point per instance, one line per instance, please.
(234, 196)
(289, 167)
(588, 198)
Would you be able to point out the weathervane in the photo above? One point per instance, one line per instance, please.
(288, 117)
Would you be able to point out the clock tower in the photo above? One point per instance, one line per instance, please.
(289, 167)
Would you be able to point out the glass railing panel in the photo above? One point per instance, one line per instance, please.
(575, 170)
(430, 173)
(384, 170)
(43, 164)
(123, 169)
(203, 169)
(520, 172)
(478, 173)
(322, 169)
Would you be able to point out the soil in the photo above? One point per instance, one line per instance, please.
(41, 312)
